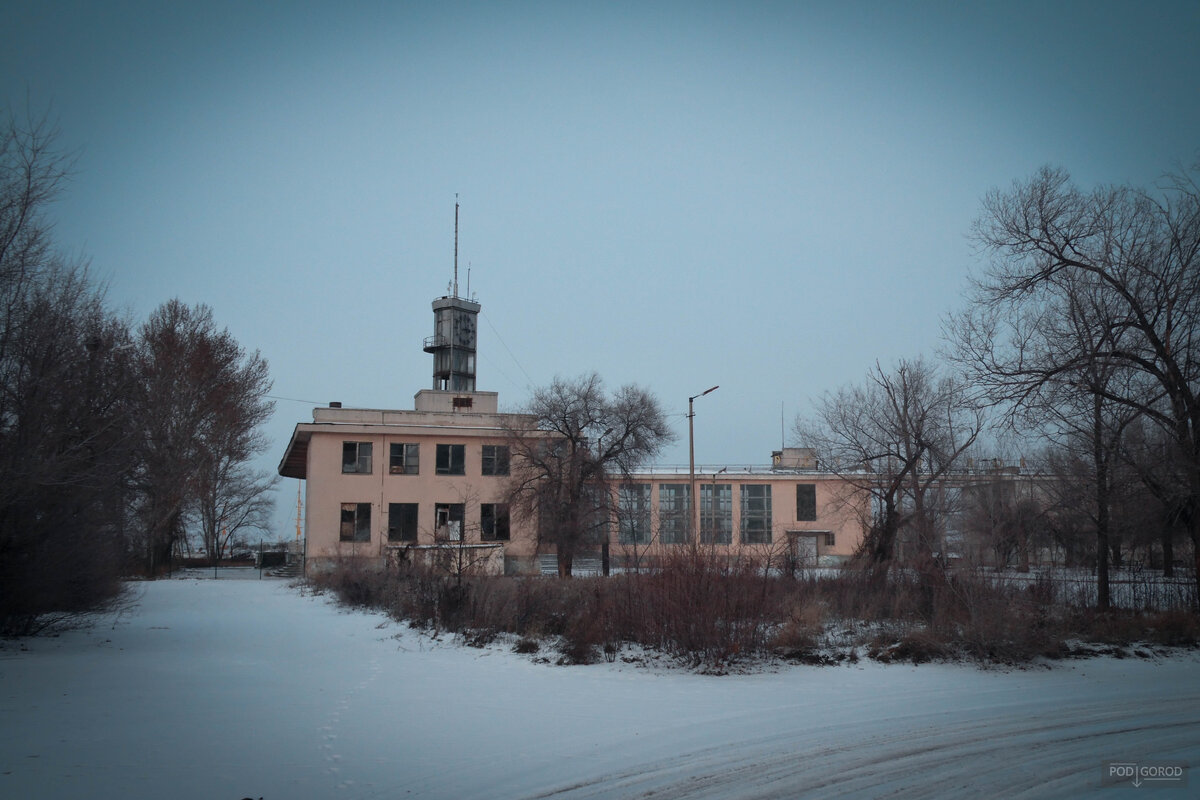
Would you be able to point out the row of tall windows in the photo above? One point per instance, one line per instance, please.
(449, 522)
(716, 512)
(404, 458)
(634, 519)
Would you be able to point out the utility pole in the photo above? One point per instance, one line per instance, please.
(693, 506)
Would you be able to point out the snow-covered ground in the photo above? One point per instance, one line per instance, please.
(225, 688)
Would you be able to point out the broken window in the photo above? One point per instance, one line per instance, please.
(448, 521)
(402, 522)
(495, 459)
(451, 459)
(356, 457)
(806, 502)
(756, 513)
(356, 522)
(493, 522)
(405, 458)
(673, 512)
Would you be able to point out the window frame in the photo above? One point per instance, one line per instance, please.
(363, 457)
(496, 461)
(806, 511)
(396, 510)
(452, 466)
(676, 514)
(722, 531)
(634, 513)
(500, 527)
(409, 462)
(360, 520)
(756, 523)
(454, 512)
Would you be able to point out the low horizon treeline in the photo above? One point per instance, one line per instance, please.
(115, 438)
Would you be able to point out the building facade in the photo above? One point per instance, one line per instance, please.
(432, 483)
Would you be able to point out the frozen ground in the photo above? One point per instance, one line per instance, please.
(224, 689)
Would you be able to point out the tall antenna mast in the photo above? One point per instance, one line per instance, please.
(299, 512)
(456, 244)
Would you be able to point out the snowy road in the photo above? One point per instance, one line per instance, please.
(231, 689)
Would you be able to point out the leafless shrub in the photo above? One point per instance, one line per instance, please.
(917, 646)
(709, 613)
(1177, 627)
(527, 646)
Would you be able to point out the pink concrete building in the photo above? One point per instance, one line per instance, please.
(432, 481)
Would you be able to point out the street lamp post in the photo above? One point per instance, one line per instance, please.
(693, 506)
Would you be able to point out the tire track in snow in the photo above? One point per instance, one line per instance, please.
(1036, 753)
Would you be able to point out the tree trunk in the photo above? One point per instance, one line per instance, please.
(1168, 551)
(1102, 594)
(1192, 515)
(565, 559)
(1194, 533)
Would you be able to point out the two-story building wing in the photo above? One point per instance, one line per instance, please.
(436, 478)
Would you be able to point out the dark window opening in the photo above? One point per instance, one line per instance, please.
(405, 459)
(402, 522)
(806, 502)
(495, 459)
(356, 458)
(356, 522)
(448, 521)
(493, 519)
(451, 459)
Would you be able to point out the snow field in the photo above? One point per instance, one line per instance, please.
(231, 689)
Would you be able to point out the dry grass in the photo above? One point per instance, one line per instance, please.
(709, 614)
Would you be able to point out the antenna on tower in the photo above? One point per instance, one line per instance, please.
(456, 244)
(468, 280)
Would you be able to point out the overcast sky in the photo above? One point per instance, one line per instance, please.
(765, 196)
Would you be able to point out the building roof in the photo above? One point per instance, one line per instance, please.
(366, 421)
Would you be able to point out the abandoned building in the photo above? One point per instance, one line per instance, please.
(380, 483)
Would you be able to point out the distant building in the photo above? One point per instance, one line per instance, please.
(431, 483)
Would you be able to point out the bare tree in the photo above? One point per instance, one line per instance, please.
(1125, 263)
(580, 439)
(64, 421)
(895, 438)
(1071, 408)
(1159, 466)
(999, 519)
(232, 499)
(32, 172)
(464, 548)
(633, 520)
(200, 403)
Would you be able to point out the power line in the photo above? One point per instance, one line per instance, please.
(294, 400)
(510, 352)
